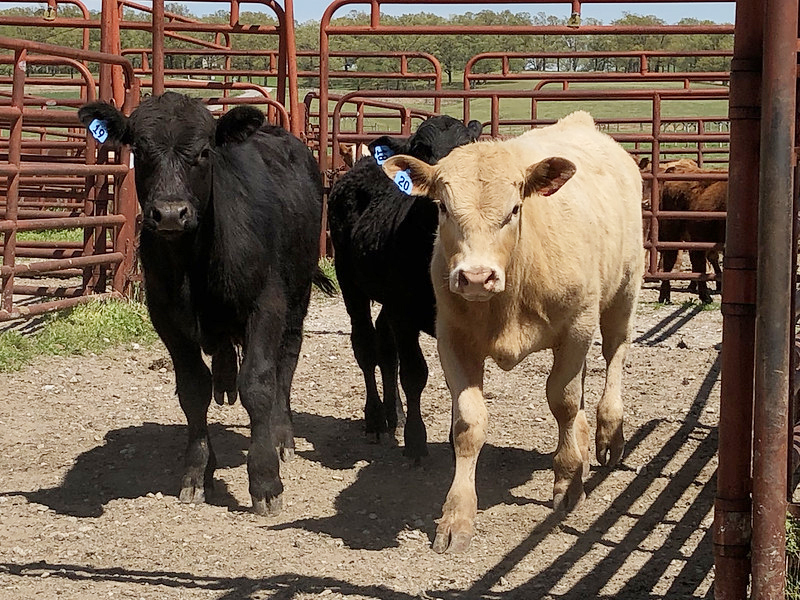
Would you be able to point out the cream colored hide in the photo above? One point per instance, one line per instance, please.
(540, 240)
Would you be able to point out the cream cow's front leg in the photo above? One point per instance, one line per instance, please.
(464, 374)
(564, 396)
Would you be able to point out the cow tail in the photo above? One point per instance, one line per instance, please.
(324, 283)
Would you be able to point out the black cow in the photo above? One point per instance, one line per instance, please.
(231, 220)
(383, 241)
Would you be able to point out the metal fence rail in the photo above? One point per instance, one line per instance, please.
(68, 189)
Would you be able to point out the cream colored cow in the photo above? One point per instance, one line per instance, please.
(540, 239)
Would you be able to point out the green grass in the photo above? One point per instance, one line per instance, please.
(703, 307)
(51, 235)
(792, 559)
(327, 267)
(91, 327)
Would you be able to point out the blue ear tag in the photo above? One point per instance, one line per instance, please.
(403, 180)
(98, 130)
(381, 153)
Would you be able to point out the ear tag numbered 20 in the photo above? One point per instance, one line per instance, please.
(381, 153)
(98, 130)
(403, 180)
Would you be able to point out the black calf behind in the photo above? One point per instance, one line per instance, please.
(232, 213)
(383, 241)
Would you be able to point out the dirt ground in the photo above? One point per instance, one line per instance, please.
(91, 450)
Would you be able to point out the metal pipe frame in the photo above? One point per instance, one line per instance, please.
(48, 172)
(774, 316)
(732, 528)
(655, 138)
(375, 28)
(641, 56)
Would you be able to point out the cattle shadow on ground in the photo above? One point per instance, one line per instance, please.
(132, 462)
(669, 325)
(639, 585)
(390, 494)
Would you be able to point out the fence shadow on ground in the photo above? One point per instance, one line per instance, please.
(669, 325)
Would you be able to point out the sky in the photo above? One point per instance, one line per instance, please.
(671, 12)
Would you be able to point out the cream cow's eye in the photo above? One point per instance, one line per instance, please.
(514, 212)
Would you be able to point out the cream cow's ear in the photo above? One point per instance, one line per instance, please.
(547, 176)
(411, 175)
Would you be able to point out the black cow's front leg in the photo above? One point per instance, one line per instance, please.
(193, 383)
(258, 389)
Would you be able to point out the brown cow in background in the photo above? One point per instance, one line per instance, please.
(540, 240)
(698, 196)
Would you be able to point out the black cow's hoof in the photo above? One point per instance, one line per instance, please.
(286, 454)
(416, 452)
(268, 507)
(192, 495)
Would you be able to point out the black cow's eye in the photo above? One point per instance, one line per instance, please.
(205, 153)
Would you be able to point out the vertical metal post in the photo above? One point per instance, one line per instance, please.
(774, 325)
(324, 80)
(12, 198)
(158, 47)
(291, 62)
(732, 507)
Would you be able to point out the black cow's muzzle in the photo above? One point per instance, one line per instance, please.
(170, 218)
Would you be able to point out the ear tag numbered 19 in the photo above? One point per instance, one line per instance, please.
(403, 180)
(98, 130)
(381, 153)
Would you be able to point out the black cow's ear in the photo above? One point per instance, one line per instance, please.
(474, 129)
(238, 124)
(547, 176)
(393, 144)
(105, 123)
(644, 163)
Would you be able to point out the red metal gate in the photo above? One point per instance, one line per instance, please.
(69, 189)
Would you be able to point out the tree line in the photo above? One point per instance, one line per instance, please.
(452, 51)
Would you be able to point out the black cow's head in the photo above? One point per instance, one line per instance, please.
(433, 140)
(174, 140)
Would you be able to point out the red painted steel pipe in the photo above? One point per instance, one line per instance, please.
(60, 264)
(41, 308)
(47, 291)
(774, 318)
(63, 223)
(291, 71)
(12, 183)
(88, 55)
(732, 505)
(61, 169)
(158, 47)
